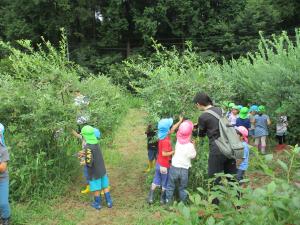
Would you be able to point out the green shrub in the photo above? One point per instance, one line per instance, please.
(277, 202)
(172, 80)
(38, 111)
(269, 77)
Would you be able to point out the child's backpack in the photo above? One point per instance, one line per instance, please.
(228, 142)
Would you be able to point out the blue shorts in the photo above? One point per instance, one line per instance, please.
(99, 184)
(152, 153)
(159, 178)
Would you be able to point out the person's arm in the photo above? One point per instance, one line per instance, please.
(166, 153)
(75, 134)
(238, 162)
(269, 121)
(201, 128)
(175, 126)
(3, 167)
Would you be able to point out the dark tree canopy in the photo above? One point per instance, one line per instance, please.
(105, 31)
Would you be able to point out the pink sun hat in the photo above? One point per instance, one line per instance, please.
(244, 132)
(184, 132)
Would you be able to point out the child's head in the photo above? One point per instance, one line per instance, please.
(244, 113)
(235, 110)
(163, 127)
(88, 133)
(184, 132)
(253, 109)
(261, 109)
(231, 105)
(77, 92)
(243, 133)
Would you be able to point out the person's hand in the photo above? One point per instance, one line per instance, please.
(180, 118)
(193, 141)
(238, 162)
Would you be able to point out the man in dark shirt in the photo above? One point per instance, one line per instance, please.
(209, 125)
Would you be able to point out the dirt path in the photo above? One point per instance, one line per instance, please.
(127, 177)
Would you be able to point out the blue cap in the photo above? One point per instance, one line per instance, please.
(97, 133)
(240, 107)
(163, 127)
(253, 108)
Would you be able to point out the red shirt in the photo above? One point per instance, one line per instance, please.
(165, 145)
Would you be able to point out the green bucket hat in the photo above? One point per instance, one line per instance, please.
(261, 108)
(231, 105)
(88, 134)
(236, 107)
(244, 113)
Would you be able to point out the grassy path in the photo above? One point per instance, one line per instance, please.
(127, 177)
(125, 162)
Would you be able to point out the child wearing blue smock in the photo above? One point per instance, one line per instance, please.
(242, 164)
(261, 121)
(4, 180)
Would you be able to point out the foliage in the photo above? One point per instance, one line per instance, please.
(277, 202)
(270, 77)
(217, 28)
(38, 111)
(172, 80)
(168, 80)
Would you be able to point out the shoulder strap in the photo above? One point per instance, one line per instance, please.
(213, 114)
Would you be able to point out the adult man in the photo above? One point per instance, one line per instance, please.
(209, 125)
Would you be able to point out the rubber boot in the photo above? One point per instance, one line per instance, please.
(96, 203)
(108, 200)
(163, 197)
(86, 190)
(150, 196)
(152, 164)
(149, 167)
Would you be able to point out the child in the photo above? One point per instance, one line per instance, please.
(151, 146)
(181, 161)
(81, 156)
(230, 106)
(234, 115)
(242, 164)
(261, 121)
(252, 112)
(165, 153)
(97, 175)
(243, 119)
(4, 180)
(281, 129)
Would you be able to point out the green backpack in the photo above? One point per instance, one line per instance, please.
(228, 142)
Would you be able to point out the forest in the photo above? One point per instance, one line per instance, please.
(138, 62)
